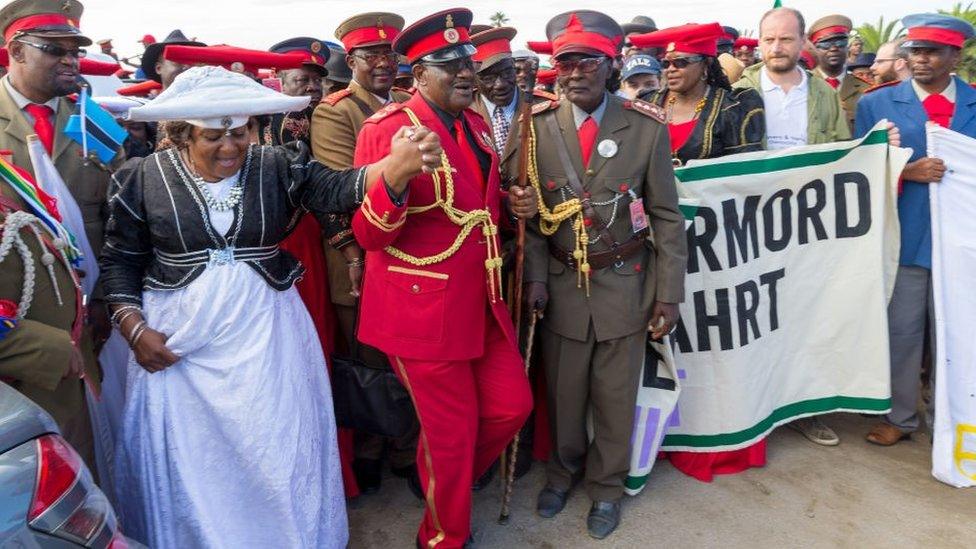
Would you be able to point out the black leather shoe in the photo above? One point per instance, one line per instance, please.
(368, 473)
(486, 478)
(550, 502)
(603, 519)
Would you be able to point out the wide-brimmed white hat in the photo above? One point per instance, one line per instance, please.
(214, 97)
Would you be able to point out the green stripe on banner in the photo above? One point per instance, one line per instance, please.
(688, 211)
(781, 415)
(766, 165)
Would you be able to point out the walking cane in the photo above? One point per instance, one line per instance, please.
(510, 470)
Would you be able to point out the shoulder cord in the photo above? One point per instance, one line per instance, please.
(12, 238)
(550, 220)
(466, 220)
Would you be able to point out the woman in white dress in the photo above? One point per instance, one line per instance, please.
(228, 435)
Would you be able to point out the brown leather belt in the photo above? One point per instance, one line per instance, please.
(600, 260)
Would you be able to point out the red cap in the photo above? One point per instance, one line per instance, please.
(691, 38)
(584, 31)
(745, 44)
(937, 35)
(234, 59)
(369, 29)
(148, 39)
(446, 30)
(141, 89)
(92, 67)
(4, 57)
(539, 46)
(546, 77)
(493, 45)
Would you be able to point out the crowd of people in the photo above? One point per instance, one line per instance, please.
(462, 191)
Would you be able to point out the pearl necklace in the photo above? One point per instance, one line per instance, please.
(233, 198)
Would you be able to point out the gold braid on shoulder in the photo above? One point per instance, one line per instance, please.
(466, 220)
(550, 220)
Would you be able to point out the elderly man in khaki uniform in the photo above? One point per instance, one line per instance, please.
(608, 254)
(831, 37)
(335, 125)
(46, 352)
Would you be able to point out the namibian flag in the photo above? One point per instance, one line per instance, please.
(94, 129)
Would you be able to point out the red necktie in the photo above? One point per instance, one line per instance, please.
(474, 167)
(834, 82)
(587, 137)
(42, 124)
(939, 109)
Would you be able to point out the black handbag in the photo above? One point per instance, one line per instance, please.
(367, 398)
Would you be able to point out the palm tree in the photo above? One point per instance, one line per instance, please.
(498, 19)
(872, 36)
(967, 67)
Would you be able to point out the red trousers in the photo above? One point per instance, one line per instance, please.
(468, 411)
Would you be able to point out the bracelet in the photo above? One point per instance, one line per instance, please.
(135, 339)
(134, 329)
(122, 318)
(117, 315)
(356, 263)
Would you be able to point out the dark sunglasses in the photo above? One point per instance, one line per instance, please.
(586, 65)
(454, 66)
(835, 43)
(373, 59)
(680, 62)
(488, 79)
(55, 50)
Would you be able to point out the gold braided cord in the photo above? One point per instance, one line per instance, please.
(550, 220)
(466, 220)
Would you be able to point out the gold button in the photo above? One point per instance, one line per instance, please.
(415, 288)
(590, 172)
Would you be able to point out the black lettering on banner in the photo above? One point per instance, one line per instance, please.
(770, 279)
(720, 320)
(741, 233)
(844, 229)
(774, 244)
(745, 311)
(808, 214)
(680, 337)
(703, 241)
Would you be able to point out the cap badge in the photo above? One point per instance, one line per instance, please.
(237, 66)
(66, 6)
(670, 46)
(315, 46)
(226, 122)
(451, 36)
(382, 33)
(607, 148)
(449, 21)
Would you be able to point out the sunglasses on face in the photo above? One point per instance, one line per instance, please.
(489, 79)
(55, 50)
(454, 66)
(680, 62)
(373, 59)
(586, 65)
(835, 43)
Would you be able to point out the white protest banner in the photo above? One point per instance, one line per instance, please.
(791, 261)
(953, 207)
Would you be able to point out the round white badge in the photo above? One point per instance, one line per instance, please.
(451, 36)
(607, 148)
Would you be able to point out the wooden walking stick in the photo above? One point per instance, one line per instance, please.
(510, 469)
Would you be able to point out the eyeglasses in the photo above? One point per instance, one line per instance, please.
(56, 50)
(374, 59)
(680, 62)
(835, 43)
(488, 79)
(586, 65)
(454, 66)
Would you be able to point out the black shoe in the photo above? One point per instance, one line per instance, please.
(550, 502)
(603, 519)
(368, 474)
(486, 478)
(413, 480)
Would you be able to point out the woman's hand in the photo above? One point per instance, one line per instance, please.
(152, 353)
(412, 151)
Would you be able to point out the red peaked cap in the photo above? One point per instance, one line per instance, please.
(141, 89)
(546, 77)
(745, 44)
(538, 46)
(445, 33)
(584, 31)
(236, 59)
(691, 38)
(494, 45)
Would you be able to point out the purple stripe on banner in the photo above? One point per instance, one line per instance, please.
(675, 419)
(650, 434)
(682, 374)
(633, 430)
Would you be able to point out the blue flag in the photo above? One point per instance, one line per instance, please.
(95, 129)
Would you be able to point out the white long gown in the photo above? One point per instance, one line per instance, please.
(234, 445)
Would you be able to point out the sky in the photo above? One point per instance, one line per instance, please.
(260, 23)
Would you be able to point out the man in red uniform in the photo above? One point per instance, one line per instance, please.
(431, 298)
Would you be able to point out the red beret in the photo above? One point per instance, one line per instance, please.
(235, 59)
(691, 38)
(745, 43)
(92, 67)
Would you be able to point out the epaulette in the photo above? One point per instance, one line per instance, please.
(649, 110)
(389, 109)
(882, 85)
(862, 79)
(335, 97)
(543, 106)
(409, 91)
(545, 95)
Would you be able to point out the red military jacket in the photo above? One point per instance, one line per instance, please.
(436, 311)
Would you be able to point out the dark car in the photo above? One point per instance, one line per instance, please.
(48, 498)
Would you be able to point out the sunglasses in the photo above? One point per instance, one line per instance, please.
(55, 50)
(680, 62)
(373, 59)
(586, 65)
(835, 43)
(488, 79)
(454, 66)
